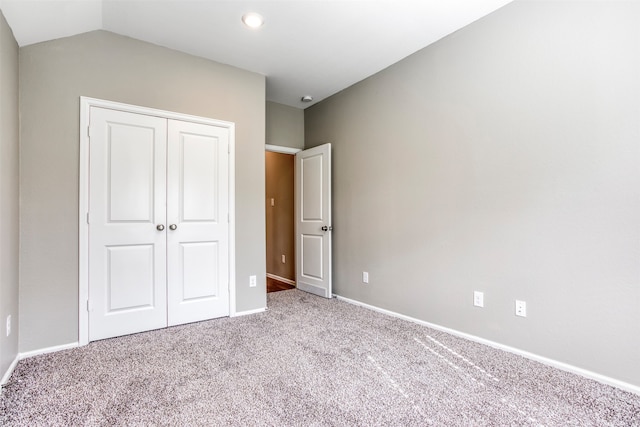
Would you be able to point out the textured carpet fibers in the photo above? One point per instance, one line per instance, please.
(307, 361)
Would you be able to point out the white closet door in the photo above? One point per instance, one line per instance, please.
(197, 215)
(127, 251)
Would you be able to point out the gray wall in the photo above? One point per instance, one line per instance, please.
(285, 125)
(503, 158)
(53, 75)
(8, 194)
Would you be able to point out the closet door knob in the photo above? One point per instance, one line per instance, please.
(160, 227)
(173, 226)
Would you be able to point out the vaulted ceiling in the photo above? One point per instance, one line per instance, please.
(305, 47)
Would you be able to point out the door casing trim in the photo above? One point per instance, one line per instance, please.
(83, 206)
(281, 149)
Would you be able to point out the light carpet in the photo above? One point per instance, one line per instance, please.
(307, 361)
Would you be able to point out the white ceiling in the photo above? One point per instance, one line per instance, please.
(305, 47)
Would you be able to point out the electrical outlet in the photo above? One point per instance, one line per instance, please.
(252, 281)
(284, 259)
(8, 325)
(365, 277)
(478, 299)
(521, 308)
(273, 201)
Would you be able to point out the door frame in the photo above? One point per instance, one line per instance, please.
(83, 207)
(292, 151)
(281, 149)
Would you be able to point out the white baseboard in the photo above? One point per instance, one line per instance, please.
(46, 350)
(545, 360)
(32, 353)
(248, 312)
(7, 374)
(281, 279)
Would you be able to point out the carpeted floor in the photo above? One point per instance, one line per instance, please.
(308, 361)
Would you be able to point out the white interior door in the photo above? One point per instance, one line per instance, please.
(158, 222)
(197, 214)
(127, 252)
(313, 220)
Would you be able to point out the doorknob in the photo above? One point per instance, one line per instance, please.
(173, 226)
(325, 228)
(160, 227)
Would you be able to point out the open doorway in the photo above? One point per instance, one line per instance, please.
(280, 218)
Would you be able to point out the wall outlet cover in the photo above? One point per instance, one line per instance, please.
(478, 299)
(521, 308)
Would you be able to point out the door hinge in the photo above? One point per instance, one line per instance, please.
(89, 307)
(89, 131)
(87, 217)
(228, 218)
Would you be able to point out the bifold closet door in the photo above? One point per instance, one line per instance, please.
(197, 214)
(127, 209)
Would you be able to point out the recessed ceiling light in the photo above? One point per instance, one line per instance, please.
(306, 98)
(252, 20)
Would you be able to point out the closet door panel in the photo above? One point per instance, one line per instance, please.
(197, 214)
(127, 252)
(198, 179)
